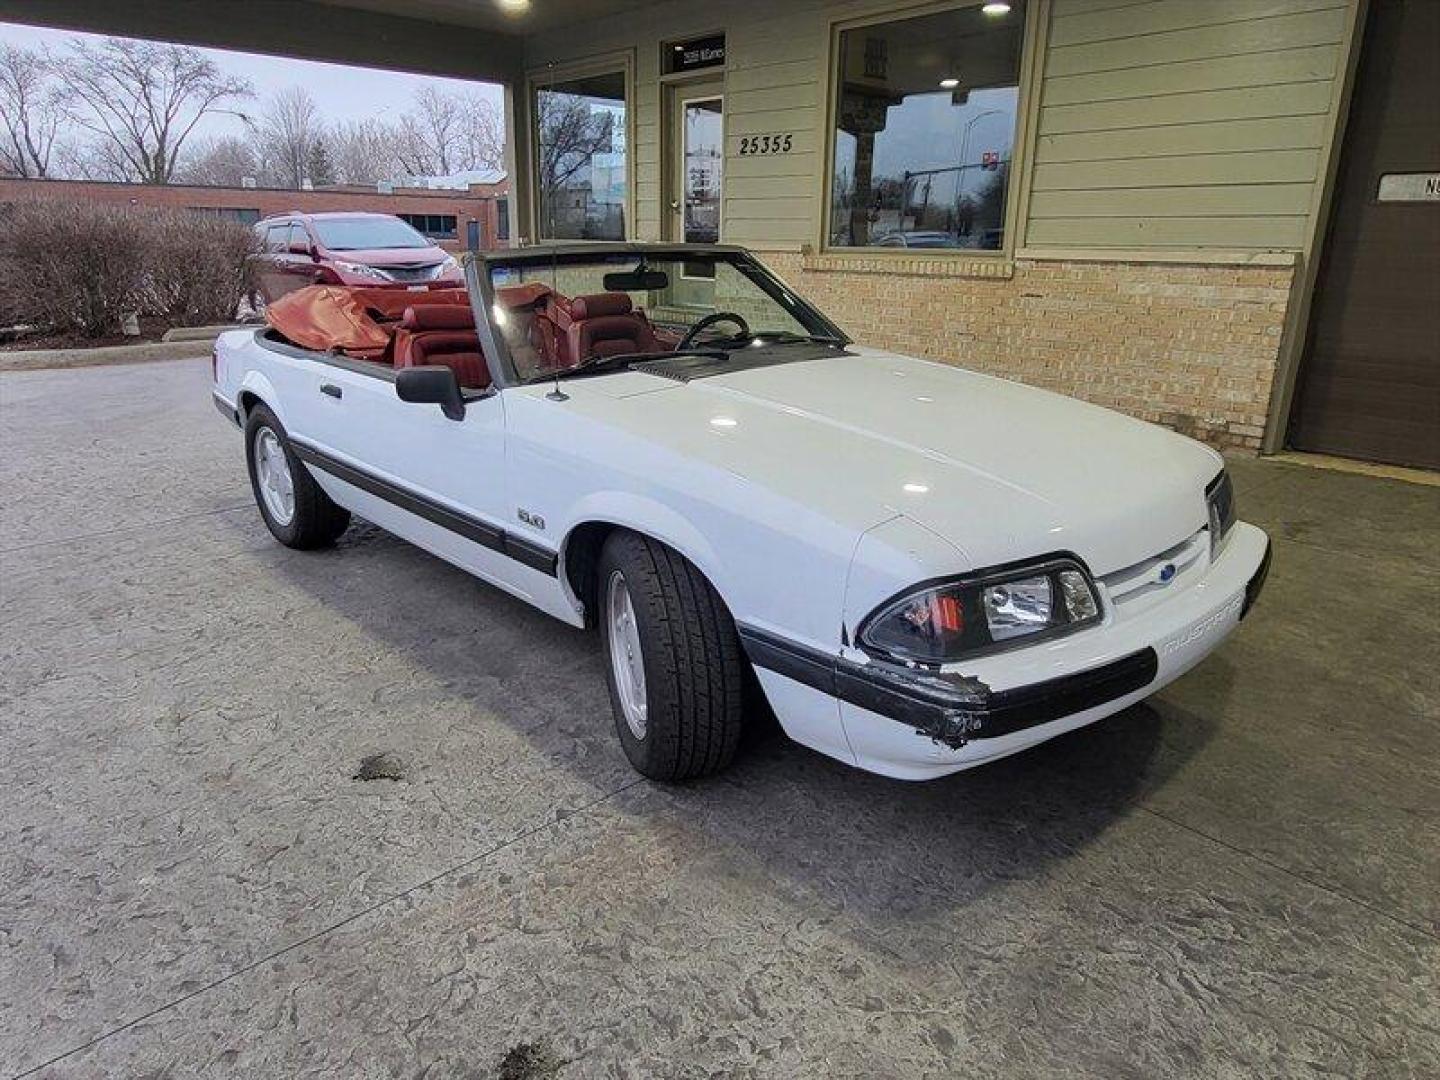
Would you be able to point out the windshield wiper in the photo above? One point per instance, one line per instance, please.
(596, 363)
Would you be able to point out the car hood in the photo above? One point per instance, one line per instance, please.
(1001, 470)
(426, 256)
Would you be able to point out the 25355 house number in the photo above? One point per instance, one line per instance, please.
(765, 144)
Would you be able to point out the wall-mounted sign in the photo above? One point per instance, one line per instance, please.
(766, 144)
(695, 55)
(1409, 187)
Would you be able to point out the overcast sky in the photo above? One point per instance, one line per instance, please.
(342, 93)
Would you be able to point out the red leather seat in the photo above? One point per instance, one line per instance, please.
(604, 324)
(442, 334)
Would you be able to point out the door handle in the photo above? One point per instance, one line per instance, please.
(331, 389)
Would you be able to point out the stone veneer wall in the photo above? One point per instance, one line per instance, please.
(1191, 347)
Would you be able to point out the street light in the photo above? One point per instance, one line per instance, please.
(965, 144)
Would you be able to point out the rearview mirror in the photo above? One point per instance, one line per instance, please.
(636, 281)
(431, 384)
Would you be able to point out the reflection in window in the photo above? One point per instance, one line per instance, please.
(925, 126)
(581, 163)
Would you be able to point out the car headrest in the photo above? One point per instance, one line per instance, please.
(598, 304)
(438, 317)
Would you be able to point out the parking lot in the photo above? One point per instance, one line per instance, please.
(1236, 878)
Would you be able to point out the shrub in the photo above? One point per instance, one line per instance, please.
(196, 267)
(81, 266)
(70, 266)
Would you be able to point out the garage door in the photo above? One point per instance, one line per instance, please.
(1370, 385)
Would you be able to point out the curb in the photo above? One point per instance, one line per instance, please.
(36, 359)
(203, 333)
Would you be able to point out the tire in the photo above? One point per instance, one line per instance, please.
(690, 655)
(313, 521)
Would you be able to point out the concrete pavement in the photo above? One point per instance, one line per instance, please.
(1236, 878)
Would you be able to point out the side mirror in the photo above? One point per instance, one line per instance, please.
(302, 249)
(431, 384)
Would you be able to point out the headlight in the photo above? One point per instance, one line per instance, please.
(1220, 504)
(983, 613)
(448, 264)
(361, 270)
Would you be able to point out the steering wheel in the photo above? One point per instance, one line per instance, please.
(709, 321)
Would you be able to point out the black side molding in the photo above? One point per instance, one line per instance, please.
(226, 409)
(519, 548)
(952, 709)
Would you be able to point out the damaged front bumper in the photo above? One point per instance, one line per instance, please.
(950, 708)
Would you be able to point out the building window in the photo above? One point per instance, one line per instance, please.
(925, 121)
(243, 215)
(435, 226)
(502, 221)
(581, 183)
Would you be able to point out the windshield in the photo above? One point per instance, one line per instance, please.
(569, 310)
(354, 234)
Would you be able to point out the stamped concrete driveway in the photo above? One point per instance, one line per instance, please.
(1239, 878)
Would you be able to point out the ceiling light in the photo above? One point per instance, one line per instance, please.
(949, 82)
(999, 7)
(679, 48)
(917, 489)
(723, 421)
(514, 7)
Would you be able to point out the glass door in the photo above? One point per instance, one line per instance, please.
(697, 175)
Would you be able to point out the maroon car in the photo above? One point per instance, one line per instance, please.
(347, 249)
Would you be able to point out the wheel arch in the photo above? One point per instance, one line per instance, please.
(583, 541)
(256, 389)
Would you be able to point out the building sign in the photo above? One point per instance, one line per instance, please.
(696, 55)
(779, 143)
(1409, 187)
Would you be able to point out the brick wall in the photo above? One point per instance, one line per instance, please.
(1191, 347)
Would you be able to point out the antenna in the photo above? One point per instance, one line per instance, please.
(557, 394)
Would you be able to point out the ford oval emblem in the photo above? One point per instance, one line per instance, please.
(1166, 573)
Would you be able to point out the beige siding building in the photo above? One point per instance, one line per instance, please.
(1167, 167)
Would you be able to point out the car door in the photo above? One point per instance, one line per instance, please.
(270, 263)
(298, 267)
(441, 483)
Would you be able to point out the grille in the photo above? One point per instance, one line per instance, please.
(426, 272)
(1137, 587)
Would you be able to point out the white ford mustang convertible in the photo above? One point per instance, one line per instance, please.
(920, 568)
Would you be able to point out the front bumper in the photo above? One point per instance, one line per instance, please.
(998, 705)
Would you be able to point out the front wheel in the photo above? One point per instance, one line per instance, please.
(673, 660)
(296, 509)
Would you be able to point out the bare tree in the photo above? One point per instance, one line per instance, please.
(289, 127)
(31, 111)
(93, 160)
(570, 135)
(484, 134)
(222, 162)
(446, 132)
(141, 100)
(363, 151)
(432, 133)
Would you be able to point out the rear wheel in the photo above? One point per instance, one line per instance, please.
(673, 660)
(296, 509)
